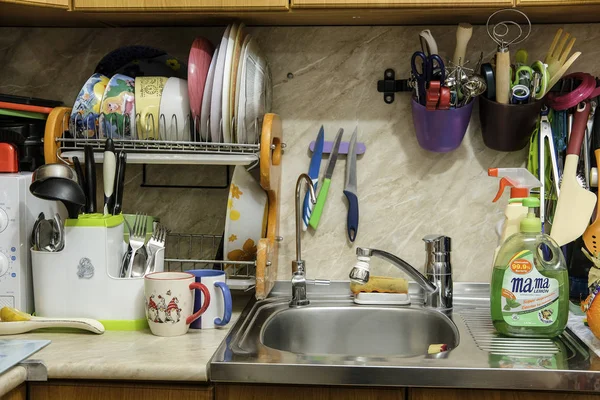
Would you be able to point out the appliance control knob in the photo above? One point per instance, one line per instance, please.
(3, 220)
(3, 264)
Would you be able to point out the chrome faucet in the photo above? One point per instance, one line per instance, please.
(437, 282)
(299, 280)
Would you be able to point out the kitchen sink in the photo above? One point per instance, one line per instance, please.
(333, 341)
(358, 330)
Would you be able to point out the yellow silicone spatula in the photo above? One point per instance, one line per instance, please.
(15, 322)
(575, 204)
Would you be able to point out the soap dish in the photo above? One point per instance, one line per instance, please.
(399, 299)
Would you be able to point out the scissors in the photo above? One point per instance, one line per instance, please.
(425, 74)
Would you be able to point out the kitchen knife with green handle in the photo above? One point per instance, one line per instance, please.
(322, 197)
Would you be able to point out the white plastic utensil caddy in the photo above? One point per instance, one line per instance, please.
(83, 279)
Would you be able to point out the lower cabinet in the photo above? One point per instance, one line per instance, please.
(104, 390)
(18, 393)
(111, 390)
(476, 394)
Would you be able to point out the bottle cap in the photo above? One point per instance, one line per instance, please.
(531, 223)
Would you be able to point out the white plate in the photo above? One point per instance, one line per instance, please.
(205, 112)
(217, 90)
(174, 111)
(258, 90)
(225, 105)
(240, 95)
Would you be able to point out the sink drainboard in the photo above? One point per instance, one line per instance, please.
(479, 324)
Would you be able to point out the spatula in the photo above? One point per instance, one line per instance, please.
(575, 204)
(15, 322)
(591, 236)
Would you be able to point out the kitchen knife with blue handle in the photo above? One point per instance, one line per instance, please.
(350, 190)
(313, 173)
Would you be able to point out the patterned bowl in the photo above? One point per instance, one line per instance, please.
(246, 218)
(87, 106)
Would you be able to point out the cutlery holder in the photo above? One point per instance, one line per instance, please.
(82, 280)
(507, 127)
(440, 131)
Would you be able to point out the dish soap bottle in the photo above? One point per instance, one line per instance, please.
(530, 284)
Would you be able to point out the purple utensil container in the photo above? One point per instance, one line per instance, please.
(441, 131)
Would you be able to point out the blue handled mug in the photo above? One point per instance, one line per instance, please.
(219, 310)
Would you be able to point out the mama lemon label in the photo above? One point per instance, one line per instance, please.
(528, 297)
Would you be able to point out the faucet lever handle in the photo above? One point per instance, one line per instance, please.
(438, 243)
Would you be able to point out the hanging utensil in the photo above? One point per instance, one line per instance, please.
(501, 34)
(558, 53)
(322, 197)
(463, 35)
(428, 43)
(546, 141)
(351, 189)
(313, 173)
(90, 169)
(109, 169)
(575, 204)
(591, 236)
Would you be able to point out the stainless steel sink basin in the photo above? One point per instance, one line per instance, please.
(358, 331)
(333, 341)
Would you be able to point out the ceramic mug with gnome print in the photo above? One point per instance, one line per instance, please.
(169, 298)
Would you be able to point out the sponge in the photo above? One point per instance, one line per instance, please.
(381, 284)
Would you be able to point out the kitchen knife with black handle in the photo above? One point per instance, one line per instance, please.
(313, 173)
(80, 176)
(109, 169)
(90, 182)
(120, 182)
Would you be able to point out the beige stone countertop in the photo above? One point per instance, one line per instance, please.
(129, 355)
(11, 379)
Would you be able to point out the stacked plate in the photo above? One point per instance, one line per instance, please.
(139, 92)
(229, 90)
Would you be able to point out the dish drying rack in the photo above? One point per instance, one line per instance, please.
(160, 144)
(61, 144)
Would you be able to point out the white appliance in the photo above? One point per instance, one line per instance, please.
(18, 211)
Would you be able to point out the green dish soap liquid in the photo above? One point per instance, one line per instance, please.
(530, 289)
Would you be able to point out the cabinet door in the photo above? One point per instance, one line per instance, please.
(18, 393)
(180, 5)
(46, 3)
(475, 394)
(278, 392)
(103, 390)
(398, 3)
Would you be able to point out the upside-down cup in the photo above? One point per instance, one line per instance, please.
(440, 131)
(507, 127)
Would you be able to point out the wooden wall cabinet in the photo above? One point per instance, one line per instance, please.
(399, 3)
(45, 3)
(287, 392)
(565, 3)
(180, 5)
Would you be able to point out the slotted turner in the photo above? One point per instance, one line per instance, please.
(558, 53)
(591, 236)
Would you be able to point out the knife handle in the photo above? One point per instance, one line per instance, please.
(315, 217)
(352, 223)
(308, 206)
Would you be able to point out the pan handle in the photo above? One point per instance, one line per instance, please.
(579, 125)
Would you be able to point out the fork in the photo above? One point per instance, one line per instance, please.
(156, 242)
(137, 238)
(558, 53)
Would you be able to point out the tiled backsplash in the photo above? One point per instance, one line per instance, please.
(321, 75)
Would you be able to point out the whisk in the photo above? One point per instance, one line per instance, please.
(505, 33)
